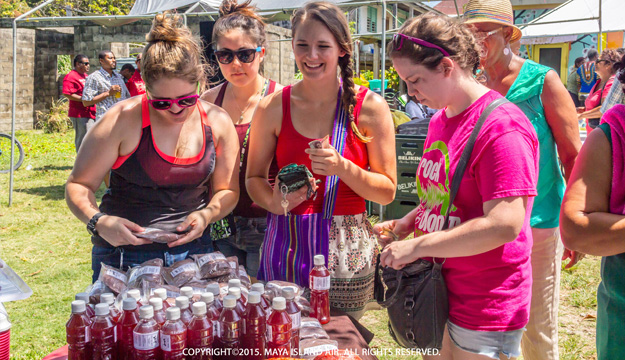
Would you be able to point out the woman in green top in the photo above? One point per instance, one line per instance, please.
(538, 91)
(573, 82)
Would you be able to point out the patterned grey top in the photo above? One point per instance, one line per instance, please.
(99, 82)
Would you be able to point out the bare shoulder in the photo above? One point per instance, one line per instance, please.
(217, 116)
(552, 83)
(374, 110)
(122, 119)
(210, 95)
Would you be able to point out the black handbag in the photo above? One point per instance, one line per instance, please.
(417, 305)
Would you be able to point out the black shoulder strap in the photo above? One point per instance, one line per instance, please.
(466, 155)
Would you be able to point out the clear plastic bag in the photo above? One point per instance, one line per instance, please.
(181, 272)
(158, 235)
(95, 290)
(274, 288)
(212, 265)
(148, 272)
(113, 278)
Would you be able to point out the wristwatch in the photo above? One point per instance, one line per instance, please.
(91, 224)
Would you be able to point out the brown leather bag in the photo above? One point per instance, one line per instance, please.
(417, 307)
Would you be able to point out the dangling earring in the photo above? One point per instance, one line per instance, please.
(506, 51)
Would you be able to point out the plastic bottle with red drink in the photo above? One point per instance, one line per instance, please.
(211, 311)
(236, 292)
(236, 283)
(78, 332)
(109, 299)
(229, 337)
(146, 337)
(279, 326)
(125, 326)
(320, 290)
(264, 300)
(200, 332)
(254, 339)
(173, 336)
(89, 309)
(186, 315)
(136, 294)
(162, 294)
(159, 312)
(296, 316)
(103, 334)
(188, 292)
(216, 291)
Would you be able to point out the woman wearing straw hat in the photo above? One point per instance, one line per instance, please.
(537, 90)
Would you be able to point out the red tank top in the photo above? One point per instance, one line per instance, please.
(290, 149)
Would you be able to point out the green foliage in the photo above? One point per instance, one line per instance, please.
(390, 74)
(298, 75)
(63, 64)
(13, 8)
(55, 119)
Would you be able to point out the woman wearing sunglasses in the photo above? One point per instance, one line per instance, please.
(486, 250)
(239, 37)
(357, 163)
(166, 150)
(539, 92)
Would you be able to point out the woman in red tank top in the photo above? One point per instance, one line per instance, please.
(239, 36)
(285, 123)
(172, 168)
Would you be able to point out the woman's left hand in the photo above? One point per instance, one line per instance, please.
(197, 222)
(399, 254)
(326, 161)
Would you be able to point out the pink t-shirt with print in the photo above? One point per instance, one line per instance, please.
(489, 291)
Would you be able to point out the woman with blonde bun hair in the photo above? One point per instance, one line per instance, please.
(173, 159)
(354, 159)
(239, 41)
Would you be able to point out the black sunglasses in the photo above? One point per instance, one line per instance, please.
(245, 56)
(85, 63)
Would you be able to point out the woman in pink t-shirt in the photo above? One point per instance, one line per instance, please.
(487, 247)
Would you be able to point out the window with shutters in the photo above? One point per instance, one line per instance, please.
(372, 19)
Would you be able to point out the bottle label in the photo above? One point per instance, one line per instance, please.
(116, 274)
(147, 341)
(209, 257)
(269, 332)
(165, 342)
(183, 268)
(152, 270)
(233, 264)
(231, 331)
(87, 334)
(216, 329)
(296, 319)
(115, 334)
(321, 283)
(319, 349)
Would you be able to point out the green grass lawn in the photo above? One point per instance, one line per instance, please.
(50, 249)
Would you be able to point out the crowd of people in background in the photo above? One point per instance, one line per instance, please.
(204, 164)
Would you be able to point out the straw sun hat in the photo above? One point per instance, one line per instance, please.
(492, 11)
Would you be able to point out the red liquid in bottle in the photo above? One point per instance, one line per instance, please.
(212, 312)
(88, 308)
(279, 326)
(182, 302)
(216, 291)
(236, 292)
(109, 298)
(320, 291)
(127, 323)
(103, 334)
(173, 336)
(264, 300)
(296, 316)
(230, 325)
(159, 312)
(255, 317)
(146, 338)
(200, 331)
(78, 333)
(162, 294)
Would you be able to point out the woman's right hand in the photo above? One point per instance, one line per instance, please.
(392, 230)
(119, 231)
(295, 198)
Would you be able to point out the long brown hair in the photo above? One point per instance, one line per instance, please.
(334, 19)
(173, 52)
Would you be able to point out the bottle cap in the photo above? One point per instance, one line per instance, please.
(161, 293)
(5, 324)
(157, 303)
(236, 292)
(288, 293)
(129, 304)
(182, 302)
(146, 312)
(279, 303)
(82, 296)
(213, 288)
(172, 313)
(207, 298)
(78, 306)
(199, 308)
(107, 298)
(259, 287)
(135, 294)
(101, 309)
(186, 291)
(319, 260)
(254, 297)
(234, 283)
(230, 302)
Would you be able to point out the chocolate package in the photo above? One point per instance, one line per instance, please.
(212, 265)
(113, 278)
(147, 274)
(181, 272)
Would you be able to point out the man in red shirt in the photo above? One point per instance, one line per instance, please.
(73, 85)
(135, 84)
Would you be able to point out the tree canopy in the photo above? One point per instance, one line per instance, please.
(14, 8)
